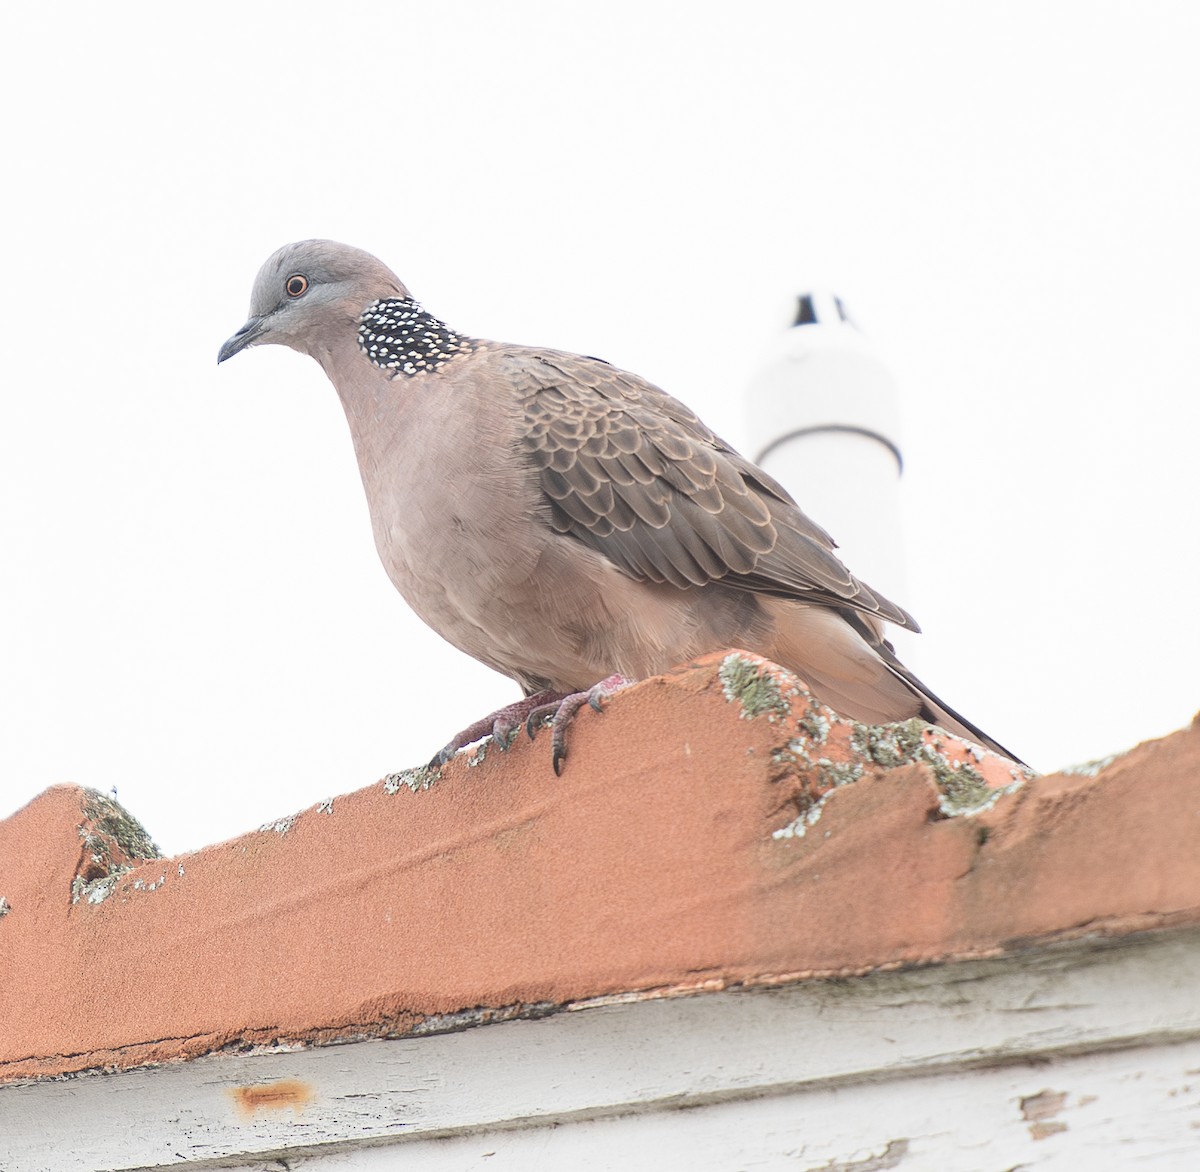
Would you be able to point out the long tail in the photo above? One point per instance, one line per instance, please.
(854, 670)
(937, 711)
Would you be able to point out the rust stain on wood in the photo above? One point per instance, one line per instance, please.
(272, 1096)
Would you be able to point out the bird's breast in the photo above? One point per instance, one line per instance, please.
(453, 508)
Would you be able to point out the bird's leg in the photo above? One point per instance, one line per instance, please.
(500, 724)
(562, 709)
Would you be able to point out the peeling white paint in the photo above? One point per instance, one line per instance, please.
(1076, 1057)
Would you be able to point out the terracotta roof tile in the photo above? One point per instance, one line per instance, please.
(715, 826)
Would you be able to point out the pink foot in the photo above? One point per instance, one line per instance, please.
(561, 711)
(500, 725)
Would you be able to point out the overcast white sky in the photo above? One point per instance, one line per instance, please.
(1005, 195)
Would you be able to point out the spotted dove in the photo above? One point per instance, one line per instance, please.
(564, 521)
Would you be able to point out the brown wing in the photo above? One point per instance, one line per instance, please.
(635, 475)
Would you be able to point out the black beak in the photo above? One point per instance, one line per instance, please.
(254, 329)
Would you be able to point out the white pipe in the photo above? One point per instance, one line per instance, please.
(825, 422)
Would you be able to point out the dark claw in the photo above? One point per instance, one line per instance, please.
(503, 733)
(538, 717)
(499, 725)
(535, 712)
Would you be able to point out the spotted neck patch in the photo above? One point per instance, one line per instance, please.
(398, 335)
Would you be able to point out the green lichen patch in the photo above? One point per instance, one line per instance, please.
(114, 841)
(956, 804)
(833, 774)
(815, 725)
(890, 745)
(818, 751)
(964, 790)
(757, 690)
(109, 824)
(417, 780)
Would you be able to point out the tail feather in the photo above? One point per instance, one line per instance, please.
(937, 711)
(854, 670)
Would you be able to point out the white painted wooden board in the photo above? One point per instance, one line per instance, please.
(923, 1069)
(1122, 1110)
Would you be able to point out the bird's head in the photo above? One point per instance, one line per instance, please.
(308, 291)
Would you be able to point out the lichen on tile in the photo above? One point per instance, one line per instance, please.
(98, 890)
(109, 824)
(799, 826)
(417, 779)
(828, 752)
(964, 789)
(750, 682)
(114, 841)
(891, 745)
(815, 725)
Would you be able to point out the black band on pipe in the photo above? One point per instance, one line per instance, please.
(848, 427)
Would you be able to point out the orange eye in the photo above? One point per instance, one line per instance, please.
(296, 285)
